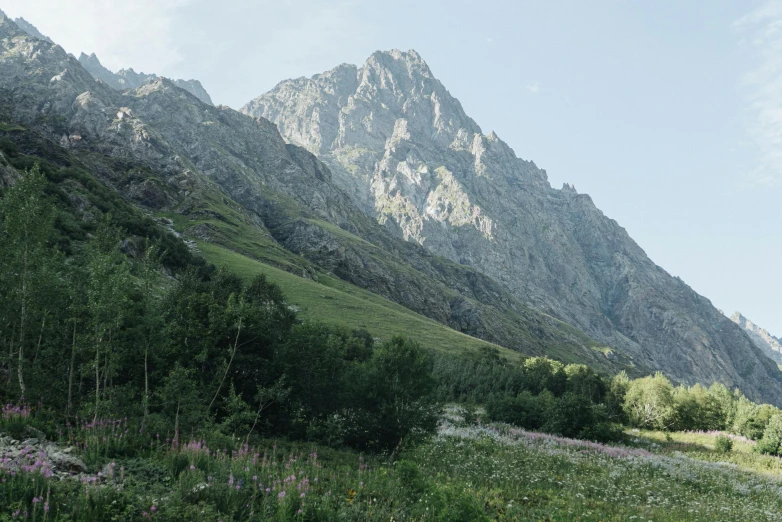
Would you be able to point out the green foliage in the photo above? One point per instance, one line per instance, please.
(771, 443)
(649, 402)
(723, 444)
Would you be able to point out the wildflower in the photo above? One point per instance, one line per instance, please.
(46, 506)
(153, 508)
(303, 495)
(281, 495)
(192, 467)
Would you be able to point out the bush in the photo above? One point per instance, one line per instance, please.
(570, 415)
(723, 444)
(772, 437)
(525, 410)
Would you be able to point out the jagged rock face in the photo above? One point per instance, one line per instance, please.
(404, 149)
(130, 79)
(769, 344)
(30, 29)
(158, 146)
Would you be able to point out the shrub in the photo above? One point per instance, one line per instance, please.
(772, 437)
(723, 444)
(524, 410)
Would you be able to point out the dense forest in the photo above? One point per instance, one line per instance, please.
(115, 334)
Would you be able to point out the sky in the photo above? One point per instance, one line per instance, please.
(667, 113)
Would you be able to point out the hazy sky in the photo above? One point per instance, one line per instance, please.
(668, 113)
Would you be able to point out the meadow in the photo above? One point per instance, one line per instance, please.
(467, 471)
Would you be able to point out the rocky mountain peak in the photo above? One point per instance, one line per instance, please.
(30, 29)
(405, 150)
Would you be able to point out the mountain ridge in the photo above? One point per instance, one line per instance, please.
(130, 79)
(165, 150)
(402, 146)
(771, 345)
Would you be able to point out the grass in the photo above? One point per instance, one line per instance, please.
(465, 472)
(332, 300)
(701, 446)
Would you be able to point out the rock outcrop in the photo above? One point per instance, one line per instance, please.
(37, 455)
(770, 345)
(130, 79)
(30, 29)
(404, 149)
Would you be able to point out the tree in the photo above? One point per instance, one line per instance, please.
(151, 320)
(542, 373)
(649, 402)
(180, 401)
(772, 437)
(106, 296)
(27, 227)
(396, 394)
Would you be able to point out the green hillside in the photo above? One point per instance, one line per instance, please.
(332, 300)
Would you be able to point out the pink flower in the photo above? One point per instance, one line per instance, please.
(281, 495)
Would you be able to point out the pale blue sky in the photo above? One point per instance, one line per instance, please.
(668, 113)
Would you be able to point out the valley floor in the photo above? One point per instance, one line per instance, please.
(466, 472)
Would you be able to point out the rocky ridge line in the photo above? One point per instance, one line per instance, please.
(403, 147)
(770, 345)
(130, 79)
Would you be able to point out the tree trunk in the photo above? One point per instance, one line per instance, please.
(40, 339)
(176, 422)
(22, 320)
(146, 384)
(70, 370)
(97, 379)
(233, 354)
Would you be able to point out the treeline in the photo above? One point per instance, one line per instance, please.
(572, 400)
(95, 335)
(158, 336)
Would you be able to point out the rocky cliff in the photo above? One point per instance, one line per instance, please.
(769, 344)
(165, 150)
(30, 29)
(130, 79)
(403, 148)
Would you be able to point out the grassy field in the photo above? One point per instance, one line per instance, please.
(519, 475)
(466, 472)
(333, 300)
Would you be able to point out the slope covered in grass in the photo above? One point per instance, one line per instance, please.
(332, 300)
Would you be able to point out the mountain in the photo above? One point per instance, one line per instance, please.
(771, 346)
(130, 79)
(231, 179)
(30, 29)
(404, 149)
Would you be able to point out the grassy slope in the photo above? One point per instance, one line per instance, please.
(247, 248)
(332, 300)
